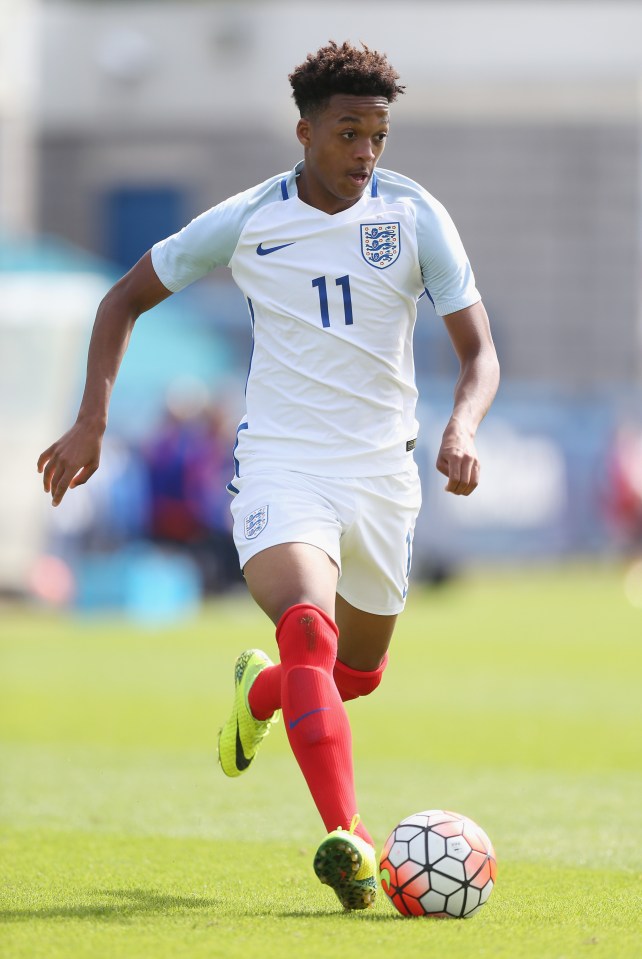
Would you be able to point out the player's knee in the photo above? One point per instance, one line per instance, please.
(353, 683)
(306, 634)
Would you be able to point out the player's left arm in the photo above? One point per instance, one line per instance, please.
(469, 331)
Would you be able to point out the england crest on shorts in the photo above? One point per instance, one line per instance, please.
(255, 522)
(380, 244)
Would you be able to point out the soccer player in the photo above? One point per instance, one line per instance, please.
(332, 258)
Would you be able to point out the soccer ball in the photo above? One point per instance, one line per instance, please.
(438, 863)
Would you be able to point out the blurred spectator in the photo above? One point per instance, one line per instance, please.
(189, 465)
(108, 513)
(623, 496)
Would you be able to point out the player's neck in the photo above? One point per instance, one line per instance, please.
(311, 192)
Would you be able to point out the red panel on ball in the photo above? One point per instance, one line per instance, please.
(474, 838)
(473, 863)
(448, 829)
(482, 876)
(418, 886)
(399, 904)
(414, 906)
(406, 871)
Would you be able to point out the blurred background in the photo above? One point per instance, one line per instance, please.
(120, 121)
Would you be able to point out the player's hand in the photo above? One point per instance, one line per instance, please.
(70, 461)
(458, 460)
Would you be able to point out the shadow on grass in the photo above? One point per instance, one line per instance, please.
(128, 904)
(321, 912)
(134, 902)
(365, 915)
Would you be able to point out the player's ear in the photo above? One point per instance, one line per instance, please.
(303, 131)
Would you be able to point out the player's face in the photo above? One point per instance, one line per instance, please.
(342, 145)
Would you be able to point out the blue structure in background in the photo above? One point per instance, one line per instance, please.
(545, 485)
(148, 585)
(135, 217)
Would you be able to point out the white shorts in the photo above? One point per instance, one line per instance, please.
(364, 524)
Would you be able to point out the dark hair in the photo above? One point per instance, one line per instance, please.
(342, 69)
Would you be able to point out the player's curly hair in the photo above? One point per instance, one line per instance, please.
(342, 69)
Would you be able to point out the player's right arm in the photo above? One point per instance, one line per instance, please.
(71, 460)
(205, 243)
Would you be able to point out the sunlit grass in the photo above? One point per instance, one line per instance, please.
(512, 697)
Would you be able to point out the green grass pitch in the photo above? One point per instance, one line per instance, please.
(511, 697)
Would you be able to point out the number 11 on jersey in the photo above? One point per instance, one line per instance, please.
(321, 284)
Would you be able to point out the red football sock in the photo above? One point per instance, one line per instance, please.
(353, 683)
(264, 696)
(315, 718)
(265, 692)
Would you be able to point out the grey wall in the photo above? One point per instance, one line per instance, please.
(526, 127)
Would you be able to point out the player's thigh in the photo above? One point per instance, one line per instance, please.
(287, 534)
(363, 637)
(376, 547)
(289, 573)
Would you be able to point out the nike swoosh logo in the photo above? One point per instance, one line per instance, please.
(241, 762)
(263, 251)
(295, 722)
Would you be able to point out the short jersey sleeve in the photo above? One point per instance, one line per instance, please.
(210, 239)
(447, 274)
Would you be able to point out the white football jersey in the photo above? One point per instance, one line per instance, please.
(332, 302)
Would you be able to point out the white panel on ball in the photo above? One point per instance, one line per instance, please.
(436, 847)
(451, 867)
(443, 884)
(457, 848)
(455, 904)
(433, 902)
(417, 848)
